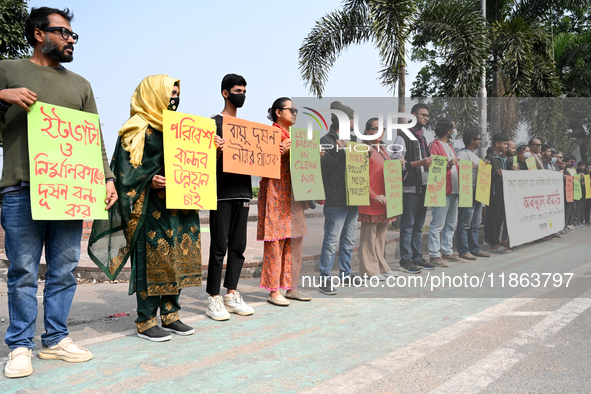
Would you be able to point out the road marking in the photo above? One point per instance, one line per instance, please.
(363, 375)
(479, 375)
(359, 377)
(529, 313)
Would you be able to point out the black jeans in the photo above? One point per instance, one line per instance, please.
(228, 233)
(495, 215)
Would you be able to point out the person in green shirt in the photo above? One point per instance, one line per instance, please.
(23, 82)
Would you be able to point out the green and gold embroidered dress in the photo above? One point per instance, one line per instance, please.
(164, 245)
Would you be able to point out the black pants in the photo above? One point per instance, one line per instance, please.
(228, 233)
(568, 207)
(587, 211)
(495, 216)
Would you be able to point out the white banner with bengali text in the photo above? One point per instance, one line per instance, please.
(534, 204)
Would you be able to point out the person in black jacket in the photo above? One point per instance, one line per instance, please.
(228, 224)
(496, 210)
(340, 220)
(414, 181)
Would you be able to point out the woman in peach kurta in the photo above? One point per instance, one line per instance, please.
(281, 220)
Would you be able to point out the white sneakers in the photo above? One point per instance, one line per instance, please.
(219, 309)
(19, 360)
(235, 304)
(390, 273)
(215, 308)
(19, 363)
(66, 350)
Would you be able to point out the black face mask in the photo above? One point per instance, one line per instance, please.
(174, 103)
(237, 99)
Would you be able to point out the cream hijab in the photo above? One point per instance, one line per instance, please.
(150, 98)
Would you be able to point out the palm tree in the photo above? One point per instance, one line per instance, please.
(520, 61)
(572, 52)
(390, 25)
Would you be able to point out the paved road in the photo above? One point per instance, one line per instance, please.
(366, 340)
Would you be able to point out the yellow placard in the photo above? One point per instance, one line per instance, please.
(393, 187)
(531, 163)
(437, 182)
(466, 192)
(483, 183)
(189, 161)
(587, 186)
(357, 174)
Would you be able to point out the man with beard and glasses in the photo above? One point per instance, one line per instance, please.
(22, 83)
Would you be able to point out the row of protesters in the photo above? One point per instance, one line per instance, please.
(281, 219)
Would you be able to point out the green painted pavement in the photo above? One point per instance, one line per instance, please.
(287, 349)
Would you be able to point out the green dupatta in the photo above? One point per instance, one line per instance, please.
(169, 249)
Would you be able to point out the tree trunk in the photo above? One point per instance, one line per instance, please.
(584, 148)
(402, 93)
(497, 88)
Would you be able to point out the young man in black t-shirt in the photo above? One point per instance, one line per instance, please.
(228, 224)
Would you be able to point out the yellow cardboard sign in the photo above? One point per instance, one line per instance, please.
(189, 161)
(357, 176)
(483, 183)
(531, 163)
(304, 159)
(436, 183)
(466, 192)
(393, 187)
(587, 186)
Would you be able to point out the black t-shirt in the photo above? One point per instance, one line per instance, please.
(230, 186)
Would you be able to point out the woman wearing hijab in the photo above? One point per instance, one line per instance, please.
(281, 222)
(164, 245)
(373, 218)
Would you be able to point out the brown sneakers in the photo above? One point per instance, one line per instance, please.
(437, 262)
(452, 257)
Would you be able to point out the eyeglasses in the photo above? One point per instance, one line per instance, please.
(536, 144)
(294, 111)
(426, 116)
(66, 34)
(374, 129)
(476, 139)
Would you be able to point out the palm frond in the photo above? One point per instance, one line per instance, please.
(458, 31)
(392, 21)
(331, 35)
(512, 40)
